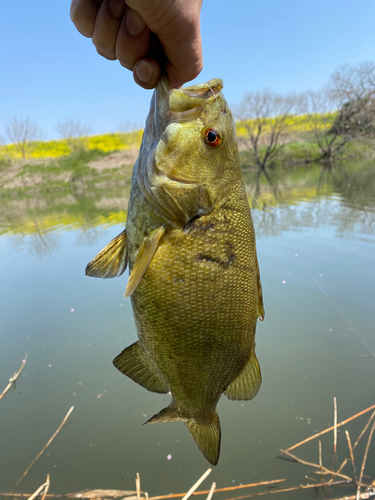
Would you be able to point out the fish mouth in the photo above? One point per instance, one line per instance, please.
(186, 98)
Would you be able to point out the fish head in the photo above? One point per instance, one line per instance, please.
(189, 150)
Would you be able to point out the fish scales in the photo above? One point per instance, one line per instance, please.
(194, 277)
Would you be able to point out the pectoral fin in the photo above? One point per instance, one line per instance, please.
(111, 261)
(145, 254)
(248, 382)
(133, 363)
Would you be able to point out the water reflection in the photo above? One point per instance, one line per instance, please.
(348, 186)
(72, 327)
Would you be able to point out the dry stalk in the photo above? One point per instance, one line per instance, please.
(44, 448)
(209, 496)
(138, 486)
(219, 490)
(364, 460)
(292, 488)
(332, 427)
(195, 486)
(12, 380)
(44, 486)
(357, 441)
(334, 432)
(351, 456)
(321, 462)
(323, 469)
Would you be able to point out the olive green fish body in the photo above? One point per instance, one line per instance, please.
(194, 277)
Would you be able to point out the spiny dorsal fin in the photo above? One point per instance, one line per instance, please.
(111, 262)
(248, 382)
(207, 437)
(145, 253)
(134, 363)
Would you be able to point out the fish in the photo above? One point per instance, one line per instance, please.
(194, 278)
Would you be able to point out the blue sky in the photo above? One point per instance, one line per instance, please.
(49, 72)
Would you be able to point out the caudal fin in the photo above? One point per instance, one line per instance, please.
(207, 437)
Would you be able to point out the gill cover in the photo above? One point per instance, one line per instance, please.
(189, 137)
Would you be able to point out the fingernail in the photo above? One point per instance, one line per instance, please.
(144, 71)
(116, 8)
(134, 23)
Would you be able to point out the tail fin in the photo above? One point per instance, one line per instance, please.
(207, 437)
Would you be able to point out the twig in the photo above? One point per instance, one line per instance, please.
(310, 464)
(330, 428)
(218, 490)
(358, 440)
(44, 448)
(46, 488)
(334, 431)
(12, 380)
(293, 488)
(364, 460)
(351, 456)
(209, 496)
(195, 486)
(36, 493)
(362, 496)
(27, 495)
(320, 461)
(138, 486)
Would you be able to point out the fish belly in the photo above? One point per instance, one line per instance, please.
(196, 305)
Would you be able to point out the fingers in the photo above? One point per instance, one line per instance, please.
(177, 26)
(133, 39)
(83, 14)
(146, 72)
(121, 32)
(107, 24)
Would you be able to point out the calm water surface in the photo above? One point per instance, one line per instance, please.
(72, 327)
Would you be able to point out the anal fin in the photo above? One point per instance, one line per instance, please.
(247, 383)
(110, 262)
(145, 254)
(168, 414)
(133, 363)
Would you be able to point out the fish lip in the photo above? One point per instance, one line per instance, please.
(174, 103)
(204, 90)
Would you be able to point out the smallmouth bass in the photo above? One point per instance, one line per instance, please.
(194, 277)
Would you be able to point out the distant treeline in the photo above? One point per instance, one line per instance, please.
(295, 127)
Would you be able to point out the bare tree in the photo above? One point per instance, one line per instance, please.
(353, 87)
(74, 131)
(20, 132)
(264, 115)
(319, 109)
(353, 81)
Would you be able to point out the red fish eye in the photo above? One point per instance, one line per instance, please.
(212, 137)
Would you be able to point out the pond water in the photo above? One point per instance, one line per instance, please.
(72, 327)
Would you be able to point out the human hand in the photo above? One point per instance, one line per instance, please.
(146, 36)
